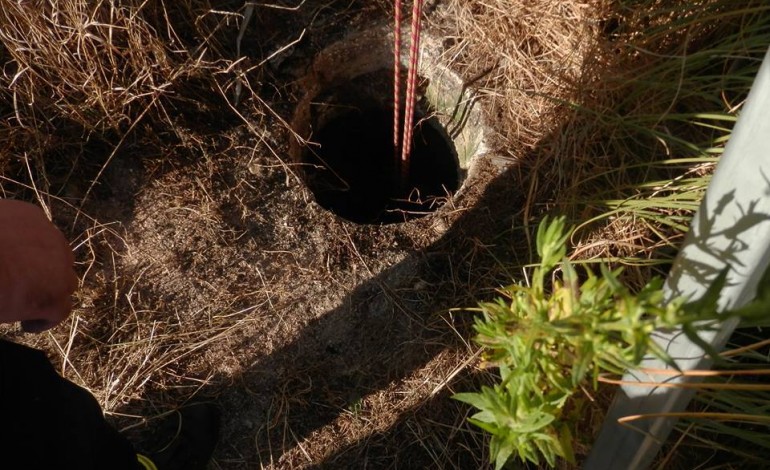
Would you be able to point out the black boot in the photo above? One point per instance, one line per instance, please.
(188, 438)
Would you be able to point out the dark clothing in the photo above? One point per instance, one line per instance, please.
(48, 422)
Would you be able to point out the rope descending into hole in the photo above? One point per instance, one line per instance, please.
(411, 85)
(397, 82)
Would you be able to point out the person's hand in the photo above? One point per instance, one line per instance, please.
(37, 278)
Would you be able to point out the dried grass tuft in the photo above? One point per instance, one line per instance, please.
(525, 57)
(94, 64)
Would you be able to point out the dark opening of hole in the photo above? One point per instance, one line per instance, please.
(355, 174)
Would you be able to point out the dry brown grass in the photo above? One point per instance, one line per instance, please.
(86, 88)
(97, 65)
(77, 72)
(524, 57)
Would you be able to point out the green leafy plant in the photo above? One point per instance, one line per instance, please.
(639, 156)
(548, 343)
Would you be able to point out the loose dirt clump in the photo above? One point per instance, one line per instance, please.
(207, 269)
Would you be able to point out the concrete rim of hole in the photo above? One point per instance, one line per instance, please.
(455, 105)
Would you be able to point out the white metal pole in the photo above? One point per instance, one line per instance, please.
(731, 229)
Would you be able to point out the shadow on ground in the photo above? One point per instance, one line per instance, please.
(380, 335)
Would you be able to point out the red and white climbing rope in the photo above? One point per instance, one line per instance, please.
(411, 85)
(397, 83)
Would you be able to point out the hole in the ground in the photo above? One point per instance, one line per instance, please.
(354, 173)
(345, 104)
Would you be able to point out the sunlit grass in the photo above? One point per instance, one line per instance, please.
(631, 166)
